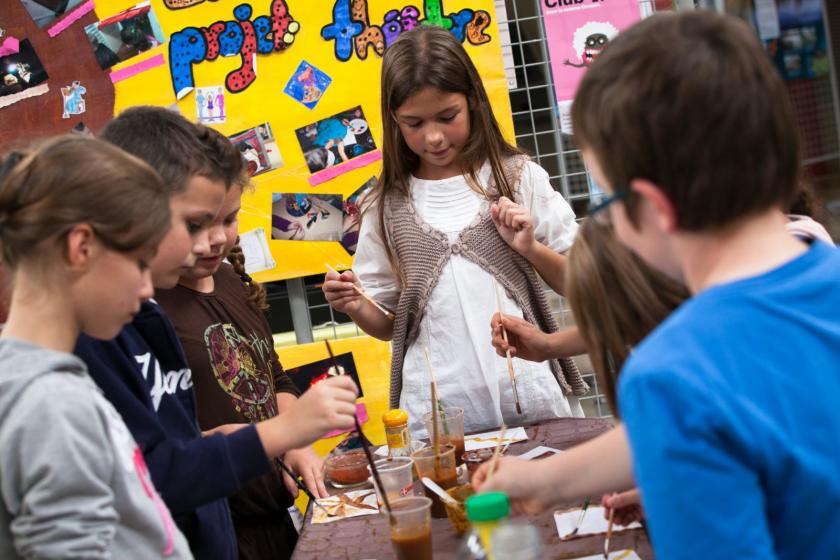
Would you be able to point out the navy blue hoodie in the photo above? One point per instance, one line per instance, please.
(144, 373)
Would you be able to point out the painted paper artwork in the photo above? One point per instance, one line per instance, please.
(210, 105)
(21, 75)
(258, 148)
(308, 375)
(335, 140)
(578, 33)
(44, 12)
(307, 85)
(124, 35)
(353, 215)
(306, 217)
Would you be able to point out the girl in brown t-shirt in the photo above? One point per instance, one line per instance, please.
(217, 312)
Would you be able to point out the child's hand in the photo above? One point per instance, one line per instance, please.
(524, 339)
(515, 478)
(324, 407)
(306, 463)
(515, 225)
(339, 292)
(627, 505)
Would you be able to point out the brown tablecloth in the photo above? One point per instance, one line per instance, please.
(367, 537)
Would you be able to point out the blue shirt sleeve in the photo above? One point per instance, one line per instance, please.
(699, 494)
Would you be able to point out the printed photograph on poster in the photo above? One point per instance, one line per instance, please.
(125, 35)
(578, 33)
(210, 104)
(307, 85)
(306, 217)
(335, 140)
(308, 375)
(74, 103)
(23, 75)
(353, 215)
(44, 12)
(259, 149)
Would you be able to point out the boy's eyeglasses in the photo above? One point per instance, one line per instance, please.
(598, 206)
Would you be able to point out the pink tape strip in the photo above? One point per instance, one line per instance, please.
(70, 18)
(355, 163)
(361, 412)
(134, 69)
(9, 46)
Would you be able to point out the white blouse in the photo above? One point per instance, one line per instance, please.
(456, 323)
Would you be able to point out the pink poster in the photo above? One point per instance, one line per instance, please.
(577, 31)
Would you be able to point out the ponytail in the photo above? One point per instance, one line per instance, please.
(256, 291)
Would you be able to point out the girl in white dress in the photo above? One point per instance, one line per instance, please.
(453, 200)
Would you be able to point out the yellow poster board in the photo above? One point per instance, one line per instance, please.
(288, 32)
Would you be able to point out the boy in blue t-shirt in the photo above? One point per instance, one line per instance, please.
(731, 404)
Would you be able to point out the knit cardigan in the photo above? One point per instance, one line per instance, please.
(423, 251)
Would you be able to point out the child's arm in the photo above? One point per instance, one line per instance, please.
(516, 226)
(527, 342)
(593, 468)
(339, 292)
(542, 226)
(304, 461)
(190, 473)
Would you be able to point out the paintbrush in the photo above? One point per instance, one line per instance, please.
(367, 298)
(579, 521)
(609, 534)
(374, 471)
(302, 487)
(511, 373)
(435, 434)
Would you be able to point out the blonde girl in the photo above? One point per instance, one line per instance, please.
(429, 248)
(79, 222)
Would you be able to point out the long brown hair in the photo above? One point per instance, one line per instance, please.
(616, 299)
(429, 56)
(74, 179)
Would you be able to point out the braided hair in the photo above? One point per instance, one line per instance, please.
(256, 291)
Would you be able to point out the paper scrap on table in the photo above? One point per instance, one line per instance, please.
(538, 452)
(492, 439)
(593, 522)
(616, 555)
(345, 505)
(254, 246)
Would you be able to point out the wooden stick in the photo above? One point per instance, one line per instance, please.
(609, 534)
(494, 460)
(366, 448)
(511, 373)
(367, 298)
(435, 434)
(437, 402)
